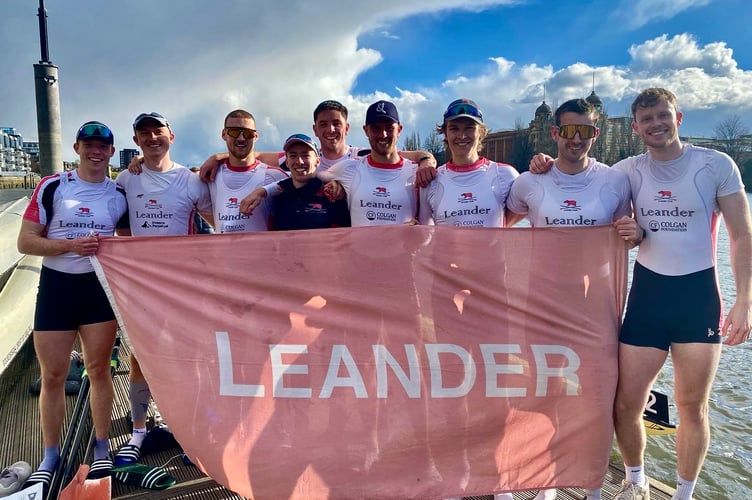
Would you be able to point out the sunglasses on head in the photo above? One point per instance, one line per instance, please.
(235, 132)
(462, 109)
(95, 130)
(569, 131)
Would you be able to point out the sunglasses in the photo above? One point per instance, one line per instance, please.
(95, 130)
(235, 132)
(569, 131)
(462, 109)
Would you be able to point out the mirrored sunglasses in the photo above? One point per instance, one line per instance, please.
(96, 131)
(462, 109)
(569, 131)
(235, 132)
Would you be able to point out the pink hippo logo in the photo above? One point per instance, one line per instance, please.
(569, 205)
(153, 205)
(466, 197)
(665, 196)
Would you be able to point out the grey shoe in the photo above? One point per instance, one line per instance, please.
(13, 477)
(631, 491)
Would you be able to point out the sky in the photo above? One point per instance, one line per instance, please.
(195, 61)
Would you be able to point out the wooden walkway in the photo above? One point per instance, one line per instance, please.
(20, 439)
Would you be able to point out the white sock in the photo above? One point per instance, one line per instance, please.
(684, 489)
(593, 494)
(549, 494)
(635, 474)
(137, 438)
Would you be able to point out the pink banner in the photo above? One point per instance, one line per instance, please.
(384, 362)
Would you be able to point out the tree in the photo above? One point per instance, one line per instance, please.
(412, 142)
(434, 144)
(733, 138)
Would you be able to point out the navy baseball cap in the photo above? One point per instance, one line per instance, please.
(154, 117)
(95, 130)
(382, 109)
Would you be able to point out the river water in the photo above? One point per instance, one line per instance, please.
(727, 473)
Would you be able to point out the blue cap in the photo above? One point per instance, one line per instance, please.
(95, 130)
(155, 117)
(382, 109)
(302, 138)
(463, 108)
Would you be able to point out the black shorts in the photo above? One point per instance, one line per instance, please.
(665, 309)
(66, 301)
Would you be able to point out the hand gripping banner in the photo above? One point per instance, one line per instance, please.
(381, 362)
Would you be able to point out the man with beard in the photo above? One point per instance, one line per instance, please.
(576, 184)
(239, 174)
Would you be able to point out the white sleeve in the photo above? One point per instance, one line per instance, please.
(343, 172)
(200, 195)
(517, 199)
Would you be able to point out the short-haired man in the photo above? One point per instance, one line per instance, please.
(599, 194)
(239, 174)
(330, 126)
(576, 184)
(302, 204)
(162, 200)
(65, 217)
(380, 186)
(678, 191)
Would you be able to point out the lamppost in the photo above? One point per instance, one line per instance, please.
(48, 105)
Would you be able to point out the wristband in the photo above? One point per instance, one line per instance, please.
(423, 158)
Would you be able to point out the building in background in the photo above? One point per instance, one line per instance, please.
(126, 155)
(13, 158)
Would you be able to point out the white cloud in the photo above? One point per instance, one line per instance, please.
(664, 54)
(633, 14)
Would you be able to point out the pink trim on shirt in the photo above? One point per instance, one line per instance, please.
(387, 166)
(482, 162)
(243, 168)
